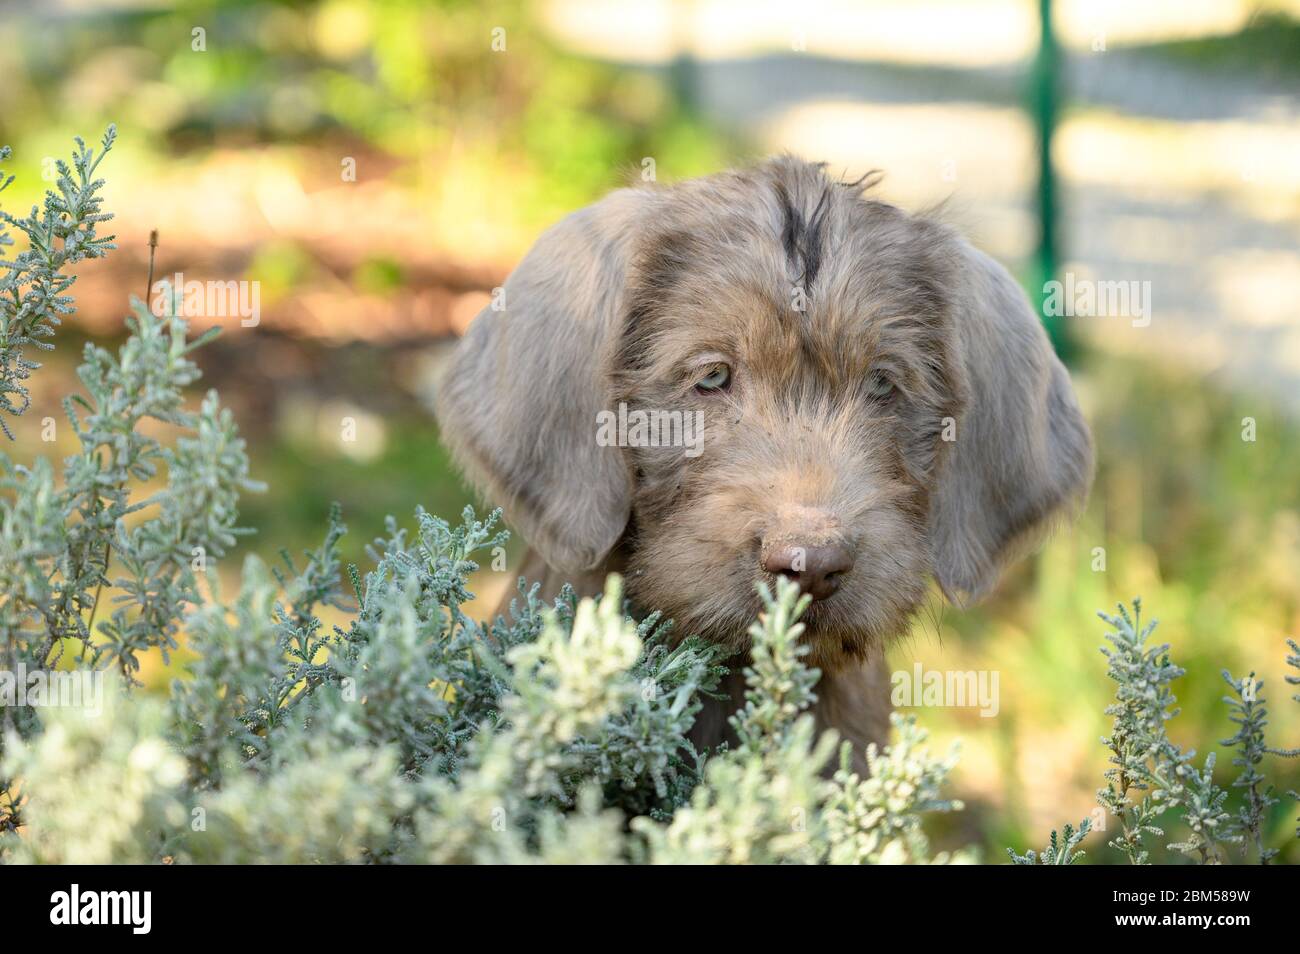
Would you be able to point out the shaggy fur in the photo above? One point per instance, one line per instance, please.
(819, 300)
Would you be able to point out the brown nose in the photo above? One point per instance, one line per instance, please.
(817, 570)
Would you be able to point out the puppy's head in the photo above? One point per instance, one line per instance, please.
(764, 373)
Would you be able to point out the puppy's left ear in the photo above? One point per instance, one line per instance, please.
(1022, 454)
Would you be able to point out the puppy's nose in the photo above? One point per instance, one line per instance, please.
(817, 570)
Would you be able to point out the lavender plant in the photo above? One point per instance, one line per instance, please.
(1151, 775)
(1144, 757)
(58, 541)
(1293, 660)
(530, 784)
(760, 802)
(877, 819)
(33, 283)
(1059, 851)
(1247, 708)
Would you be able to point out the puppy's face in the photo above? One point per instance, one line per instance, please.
(806, 329)
(877, 405)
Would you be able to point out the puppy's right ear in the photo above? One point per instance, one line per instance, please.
(519, 400)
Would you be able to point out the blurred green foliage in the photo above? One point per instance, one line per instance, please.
(1268, 46)
(435, 85)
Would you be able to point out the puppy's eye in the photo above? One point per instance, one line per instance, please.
(880, 387)
(716, 378)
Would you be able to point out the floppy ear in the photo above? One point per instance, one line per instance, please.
(1022, 454)
(518, 401)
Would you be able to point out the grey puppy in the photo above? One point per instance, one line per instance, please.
(879, 407)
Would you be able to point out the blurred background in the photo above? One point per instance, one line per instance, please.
(378, 167)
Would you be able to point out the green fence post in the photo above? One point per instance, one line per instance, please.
(1044, 93)
(683, 71)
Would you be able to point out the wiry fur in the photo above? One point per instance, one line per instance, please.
(624, 299)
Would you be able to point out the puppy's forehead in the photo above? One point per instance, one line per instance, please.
(783, 260)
